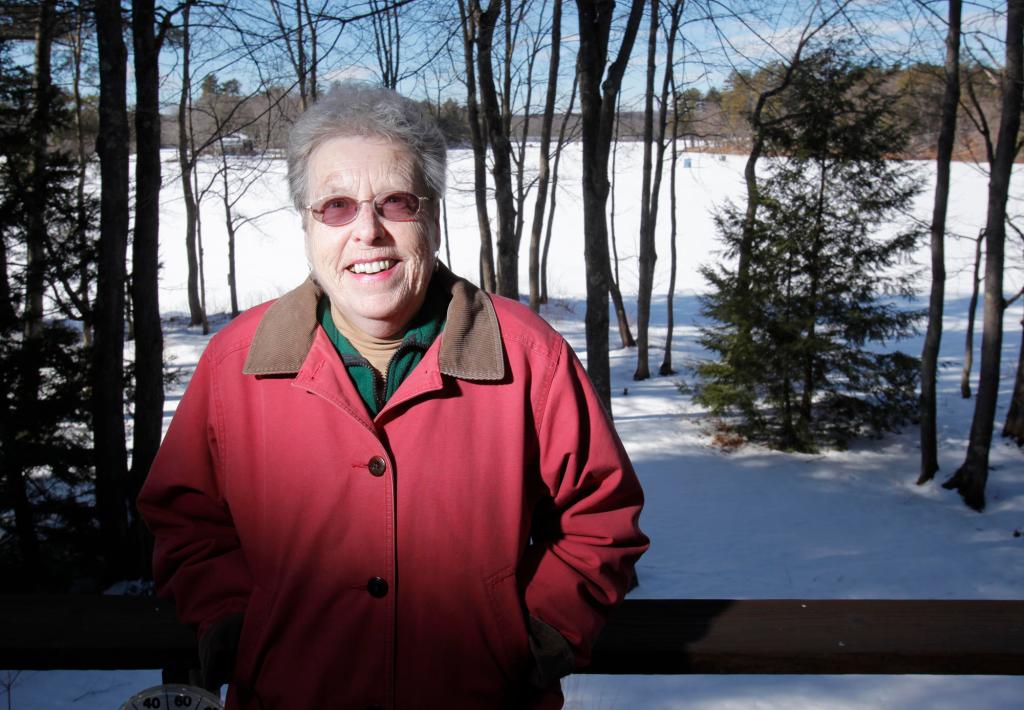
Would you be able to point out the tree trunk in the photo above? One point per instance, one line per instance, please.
(36, 236)
(300, 50)
(971, 477)
(387, 41)
(314, 59)
(8, 314)
(205, 323)
(501, 150)
(666, 362)
(1014, 426)
(186, 162)
(757, 149)
(469, 30)
(812, 272)
(972, 309)
(648, 252)
(108, 353)
(612, 191)
(933, 336)
(229, 222)
(621, 318)
(554, 193)
(597, 115)
(294, 45)
(149, 344)
(447, 240)
(519, 155)
(649, 198)
(543, 176)
(625, 336)
(84, 294)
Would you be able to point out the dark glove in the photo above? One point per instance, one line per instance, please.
(217, 650)
(552, 656)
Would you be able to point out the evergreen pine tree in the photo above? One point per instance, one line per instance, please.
(800, 357)
(46, 470)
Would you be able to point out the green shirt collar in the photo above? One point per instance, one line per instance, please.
(423, 329)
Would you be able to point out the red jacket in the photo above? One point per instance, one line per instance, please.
(392, 561)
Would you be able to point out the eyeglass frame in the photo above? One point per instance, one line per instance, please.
(318, 215)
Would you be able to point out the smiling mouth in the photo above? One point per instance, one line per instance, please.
(372, 267)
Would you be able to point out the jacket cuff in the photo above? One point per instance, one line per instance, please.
(552, 655)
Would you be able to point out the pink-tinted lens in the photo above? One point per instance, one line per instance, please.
(398, 206)
(339, 210)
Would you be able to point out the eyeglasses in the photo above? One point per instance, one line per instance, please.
(339, 210)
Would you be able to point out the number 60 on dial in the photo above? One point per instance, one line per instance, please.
(173, 697)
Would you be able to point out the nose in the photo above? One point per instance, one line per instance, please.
(367, 227)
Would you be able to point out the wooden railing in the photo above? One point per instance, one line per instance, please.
(665, 636)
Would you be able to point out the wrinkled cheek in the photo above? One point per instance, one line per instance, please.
(321, 261)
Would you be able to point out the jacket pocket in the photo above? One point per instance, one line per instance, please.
(508, 627)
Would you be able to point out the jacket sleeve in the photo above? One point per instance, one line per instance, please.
(586, 538)
(197, 558)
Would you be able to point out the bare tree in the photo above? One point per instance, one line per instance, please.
(501, 150)
(761, 123)
(543, 178)
(651, 186)
(1013, 428)
(301, 40)
(598, 115)
(1014, 425)
(387, 35)
(972, 310)
(515, 21)
(237, 175)
(625, 335)
(563, 135)
(970, 479)
(81, 296)
(35, 233)
(470, 20)
(666, 361)
(933, 336)
(186, 164)
(148, 35)
(108, 352)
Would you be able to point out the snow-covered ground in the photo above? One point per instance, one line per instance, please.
(747, 524)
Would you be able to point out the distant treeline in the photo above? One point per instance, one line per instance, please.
(712, 120)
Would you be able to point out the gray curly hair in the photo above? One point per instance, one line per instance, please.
(354, 109)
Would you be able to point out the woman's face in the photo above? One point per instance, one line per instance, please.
(374, 271)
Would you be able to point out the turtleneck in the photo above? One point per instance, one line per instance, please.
(378, 351)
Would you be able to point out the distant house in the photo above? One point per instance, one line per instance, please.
(237, 144)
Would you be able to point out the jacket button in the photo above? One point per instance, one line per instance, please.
(377, 587)
(378, 465)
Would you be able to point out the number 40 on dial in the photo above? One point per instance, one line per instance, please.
(173, 697)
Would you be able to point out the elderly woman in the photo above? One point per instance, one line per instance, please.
(388, 488)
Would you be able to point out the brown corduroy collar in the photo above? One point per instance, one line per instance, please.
(471, 346)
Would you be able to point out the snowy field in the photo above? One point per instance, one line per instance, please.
(747, 524)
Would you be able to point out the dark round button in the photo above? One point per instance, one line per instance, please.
(378, 465)
(375, 707)
(377, 587)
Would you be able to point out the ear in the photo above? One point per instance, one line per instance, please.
(437, 228)
(305, 248)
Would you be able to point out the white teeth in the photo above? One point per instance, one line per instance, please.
(371, 267)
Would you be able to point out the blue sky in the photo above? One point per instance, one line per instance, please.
(738, 37)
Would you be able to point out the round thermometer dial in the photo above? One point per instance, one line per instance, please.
(173, 697)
